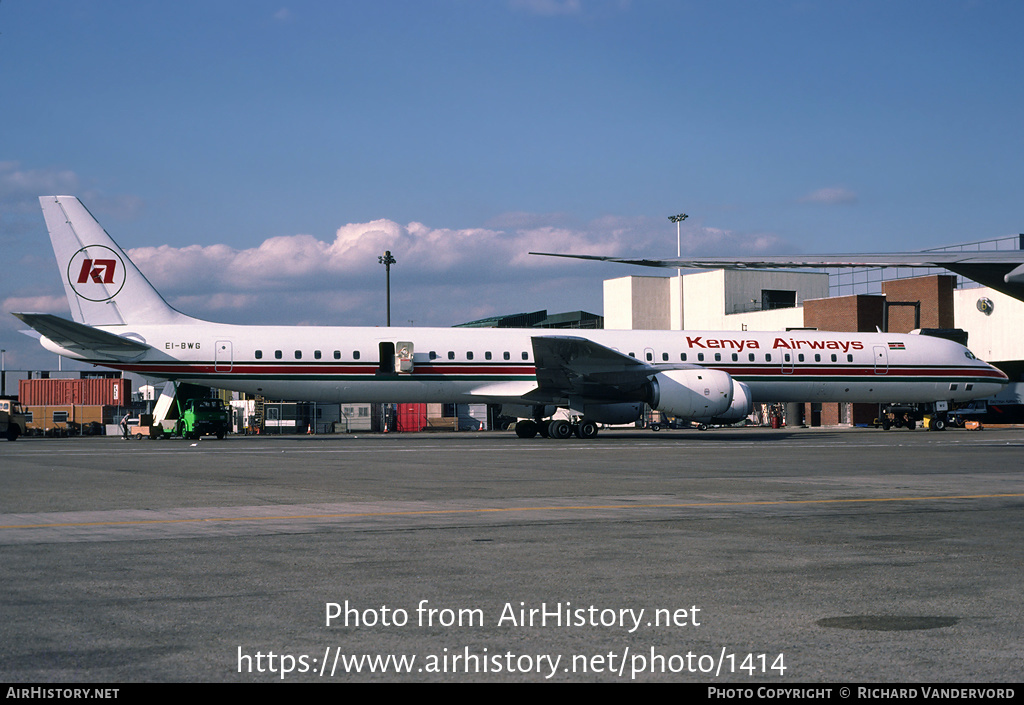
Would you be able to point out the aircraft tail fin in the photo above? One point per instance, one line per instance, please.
(103, 286)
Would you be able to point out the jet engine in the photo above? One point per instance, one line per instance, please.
(693, 393)
(741, 407)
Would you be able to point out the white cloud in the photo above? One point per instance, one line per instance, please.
(442, 275)
(20, 188)
(835, 195)
(35, 304)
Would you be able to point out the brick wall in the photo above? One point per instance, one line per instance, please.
(935, 294)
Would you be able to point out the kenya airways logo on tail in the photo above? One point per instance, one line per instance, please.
(96, 273)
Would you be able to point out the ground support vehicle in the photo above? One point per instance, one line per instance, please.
(204, 417)
(12, 420)
(197, 417)
(910, 415)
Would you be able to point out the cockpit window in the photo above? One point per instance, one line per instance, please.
(969, 355)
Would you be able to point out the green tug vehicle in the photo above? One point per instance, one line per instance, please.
(204, 417)
(196, 418)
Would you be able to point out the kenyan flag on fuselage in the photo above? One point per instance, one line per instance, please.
(897, 346)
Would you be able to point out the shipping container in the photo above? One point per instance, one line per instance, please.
(411, 418)
(85, 392)
(64, 419)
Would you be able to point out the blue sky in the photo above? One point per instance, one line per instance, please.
(258, 156)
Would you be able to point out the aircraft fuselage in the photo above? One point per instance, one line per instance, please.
(457, 365)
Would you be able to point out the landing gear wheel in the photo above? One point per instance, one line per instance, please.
(526, 429)
(938, 424)
(655, 427)
(586, 430)
(560, 429)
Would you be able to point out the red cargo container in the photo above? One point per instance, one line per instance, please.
(412, 417)
(86, 392)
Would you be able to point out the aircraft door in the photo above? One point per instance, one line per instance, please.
(395, 357)
(403, 357)
(222, 357)
(881, 360)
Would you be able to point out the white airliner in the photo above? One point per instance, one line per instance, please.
(603, 376)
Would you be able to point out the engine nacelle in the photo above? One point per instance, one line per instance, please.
(692, 394)
(742, 405)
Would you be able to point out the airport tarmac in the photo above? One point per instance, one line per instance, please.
(727, 556)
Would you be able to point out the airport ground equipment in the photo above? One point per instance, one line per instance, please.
(932, 416)
(12, 420)
(203, 417)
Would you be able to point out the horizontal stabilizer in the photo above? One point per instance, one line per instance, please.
(82, 338)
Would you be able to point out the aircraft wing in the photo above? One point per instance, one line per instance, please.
(1002, 270)
(82, 338)
(569, 366)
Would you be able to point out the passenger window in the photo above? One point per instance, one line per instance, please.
(700, 357)
(767, 357)
(469, 355)
(750, 356)
(451, 354)
(433, 355)
(277, 354)
(337, 354)
(317, 354)
(664, 357)
(650, 357)
(817, 357)
(355, 354)
(259, 354)
(849, 358)
(298, 354)
(506, 355)
(487, 355)
(718, 357)
(526, 355)
(682, 357)
(800, 357)
(834, 358)
(735, 357)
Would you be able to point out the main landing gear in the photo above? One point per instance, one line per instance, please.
(556, 428)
